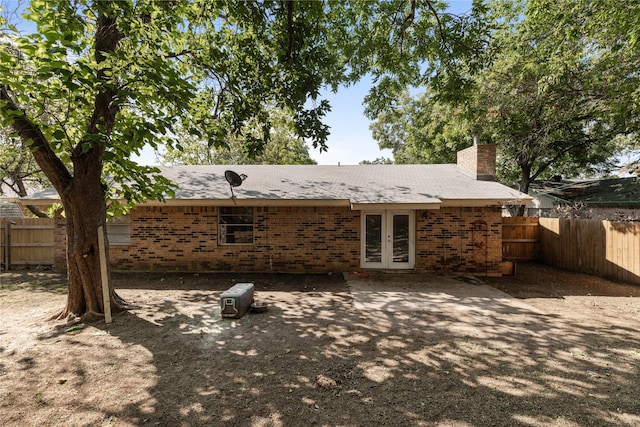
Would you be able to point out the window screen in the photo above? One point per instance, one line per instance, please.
(236, 225)
(119, 231)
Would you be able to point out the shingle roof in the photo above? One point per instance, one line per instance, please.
(10, 210)
(603, 192)
(361, 184)
(427, 185)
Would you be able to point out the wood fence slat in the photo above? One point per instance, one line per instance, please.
(36, 262)
(634, 252)
(608, 261)
(607, 248)
(520, 238)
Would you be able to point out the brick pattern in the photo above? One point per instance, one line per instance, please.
(467, 239)
(291, 239)
(60, 244)
(480, 160)
(298, 239)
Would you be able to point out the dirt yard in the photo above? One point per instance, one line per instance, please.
(568, 354)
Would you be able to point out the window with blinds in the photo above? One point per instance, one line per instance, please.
(119, 231)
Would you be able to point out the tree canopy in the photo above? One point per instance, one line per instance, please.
(282, 148)
(557, 91)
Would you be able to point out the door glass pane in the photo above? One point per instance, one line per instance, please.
(401, 238)
(373, 243)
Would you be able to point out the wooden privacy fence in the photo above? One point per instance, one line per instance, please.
(520, 238)
(26, 241)
(609, 249)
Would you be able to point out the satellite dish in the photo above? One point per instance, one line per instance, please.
(234, 180)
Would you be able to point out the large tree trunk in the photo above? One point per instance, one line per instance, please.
(85, 210)
(525, 182)
(83, 199)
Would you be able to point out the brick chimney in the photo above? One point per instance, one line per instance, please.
(479, 160)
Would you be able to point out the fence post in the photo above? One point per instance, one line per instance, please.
(4, 245)
(7, 246)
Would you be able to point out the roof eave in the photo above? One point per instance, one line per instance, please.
(398, 206)
(485, 202)
(247, 202)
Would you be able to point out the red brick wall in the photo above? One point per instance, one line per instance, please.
(60, 245)
(292, 239)
(459, 240)
(299, 239)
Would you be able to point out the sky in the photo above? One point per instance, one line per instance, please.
(350, 140)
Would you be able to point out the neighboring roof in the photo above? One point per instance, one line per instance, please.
(10, 210)
(47, 195)
(8, 194)
(417, 186)
(595, 192)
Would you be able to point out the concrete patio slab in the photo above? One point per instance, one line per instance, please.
(425, 292)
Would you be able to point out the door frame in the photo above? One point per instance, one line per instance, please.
(387, 240)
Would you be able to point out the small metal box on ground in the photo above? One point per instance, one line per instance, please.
(236, 301)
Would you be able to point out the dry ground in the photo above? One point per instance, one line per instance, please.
(566, 355)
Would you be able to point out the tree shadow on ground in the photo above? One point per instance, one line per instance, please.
(315, 360)
(223, 281)
(34, 280)
(535, 280)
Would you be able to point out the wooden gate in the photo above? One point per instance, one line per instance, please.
(520, 238)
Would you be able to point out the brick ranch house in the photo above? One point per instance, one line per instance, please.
(315, 218)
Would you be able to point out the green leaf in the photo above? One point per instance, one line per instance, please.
(59, 134)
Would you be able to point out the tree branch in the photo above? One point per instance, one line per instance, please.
(290, 34)
(174, 55)
(37, 212)
(408, 21)
(104, 111)
(435, 14)
(555, 158)
(33, 137)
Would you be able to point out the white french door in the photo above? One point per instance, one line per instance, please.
(388, 239)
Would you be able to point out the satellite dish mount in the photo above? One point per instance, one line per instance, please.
(234, 180)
